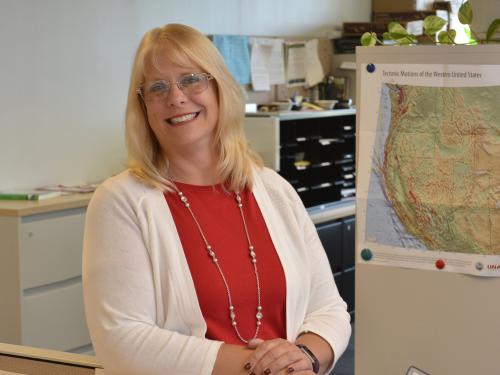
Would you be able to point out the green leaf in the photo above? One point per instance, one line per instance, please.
(465, 14)
(447, 37)
(432, 24)
(387, 36)
(387, 39)
(403, 39)
(452, 33)
(397, 36)
(395, 27)
(369, 39)
(468, 33)
(493, 29)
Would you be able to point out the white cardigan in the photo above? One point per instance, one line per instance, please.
(140, 300)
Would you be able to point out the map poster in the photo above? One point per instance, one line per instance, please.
(428, 184)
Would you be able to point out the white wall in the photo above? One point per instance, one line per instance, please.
(485, 11)
(65, 66)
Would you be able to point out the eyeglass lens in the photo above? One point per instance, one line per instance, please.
(188, 84)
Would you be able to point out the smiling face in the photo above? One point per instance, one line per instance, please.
(181, 121)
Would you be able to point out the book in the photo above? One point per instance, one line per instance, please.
(27, 195)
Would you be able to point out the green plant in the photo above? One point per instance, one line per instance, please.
(433, 25)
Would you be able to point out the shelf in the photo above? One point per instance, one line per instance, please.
(332, 211)
(299, 115)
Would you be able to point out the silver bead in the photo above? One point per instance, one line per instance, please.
(259, 308)
(259, 322)
(184, 199)
(180, 193)
(211, 253)
(215, 260)
(209, 247)
(252, 254)
(250, 248)
(258, 315)
(234, 323)
(231, 307)
(232, 315)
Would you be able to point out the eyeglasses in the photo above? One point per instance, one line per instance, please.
(157, 91)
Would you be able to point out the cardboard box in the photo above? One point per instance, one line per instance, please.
(401, 5)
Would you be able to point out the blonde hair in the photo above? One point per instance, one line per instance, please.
(145, 159)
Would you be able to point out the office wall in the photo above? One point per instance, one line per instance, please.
(485, 11)
(65, 66)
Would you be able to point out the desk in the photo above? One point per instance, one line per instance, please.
(25, 208)
(34, 361)
(40, 273)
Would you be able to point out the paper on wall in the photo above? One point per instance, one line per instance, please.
(303, 64)
(295, 64)
(314, 69)
(266, 63)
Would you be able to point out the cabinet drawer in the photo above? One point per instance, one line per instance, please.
(348, 238)
(53, 318)
(51, 247)
(345, 284)
(330, 236)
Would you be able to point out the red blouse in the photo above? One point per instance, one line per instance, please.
(220, 220)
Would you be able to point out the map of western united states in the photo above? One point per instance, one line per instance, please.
(439, 166)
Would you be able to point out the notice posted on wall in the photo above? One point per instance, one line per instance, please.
(428, 188)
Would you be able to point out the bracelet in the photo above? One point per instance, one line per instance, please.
(311, 356)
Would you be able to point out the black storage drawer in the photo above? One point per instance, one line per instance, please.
(319, 194)
(330, 235)
(348, 239)
(338, 238)
(345, 285)
(317, 157)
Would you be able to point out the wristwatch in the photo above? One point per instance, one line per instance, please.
(311, 356)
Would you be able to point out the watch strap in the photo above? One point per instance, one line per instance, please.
(311, 356)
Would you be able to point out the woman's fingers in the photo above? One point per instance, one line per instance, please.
(253, 343)
(276, 356)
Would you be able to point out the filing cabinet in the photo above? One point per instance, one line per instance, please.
(40, 274)
(337, 237)
(314, 151)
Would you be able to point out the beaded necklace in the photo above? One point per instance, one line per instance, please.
(253, 259)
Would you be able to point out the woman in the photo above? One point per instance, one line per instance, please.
(197, 260)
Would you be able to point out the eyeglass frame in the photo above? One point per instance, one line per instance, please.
(208, 77)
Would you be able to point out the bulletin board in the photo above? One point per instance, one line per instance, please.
(421, 302)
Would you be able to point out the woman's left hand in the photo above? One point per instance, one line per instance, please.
(277, 356)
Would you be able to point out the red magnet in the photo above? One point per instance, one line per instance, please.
(440, 264)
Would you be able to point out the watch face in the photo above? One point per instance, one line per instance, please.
(412, 370)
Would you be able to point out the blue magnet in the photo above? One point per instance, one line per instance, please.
(366, 254)
(370, 68)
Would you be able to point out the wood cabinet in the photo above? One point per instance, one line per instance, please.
(40, 273)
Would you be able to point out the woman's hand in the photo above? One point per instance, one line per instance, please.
(277, 356)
